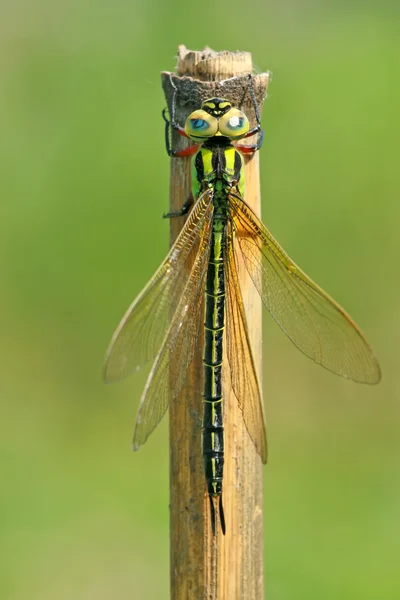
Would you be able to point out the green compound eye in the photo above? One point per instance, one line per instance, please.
(234, 124)
(200, 125)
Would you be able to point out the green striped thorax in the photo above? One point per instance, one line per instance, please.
(216, 125)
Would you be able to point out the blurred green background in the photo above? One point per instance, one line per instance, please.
(81, 139)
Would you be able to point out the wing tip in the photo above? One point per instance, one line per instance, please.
(107, 375)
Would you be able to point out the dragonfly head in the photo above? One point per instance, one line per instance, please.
(217, 117)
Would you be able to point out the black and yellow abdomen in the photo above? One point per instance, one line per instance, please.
(214, 322)
(219, 168)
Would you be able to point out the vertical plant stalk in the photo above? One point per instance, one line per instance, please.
(203, 565)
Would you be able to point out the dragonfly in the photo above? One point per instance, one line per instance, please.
(164, 323)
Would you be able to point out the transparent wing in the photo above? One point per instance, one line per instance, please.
(243, 373)
(314, 322)
(142, 330)
(168, 373)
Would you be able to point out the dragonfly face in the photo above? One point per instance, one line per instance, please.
(163, 325)
(216, 117)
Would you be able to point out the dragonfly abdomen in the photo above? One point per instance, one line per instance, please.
(214, 322)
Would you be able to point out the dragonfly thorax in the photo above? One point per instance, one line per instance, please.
(219, 167)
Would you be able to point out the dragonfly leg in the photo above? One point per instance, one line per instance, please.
(186, 206)
(250, 148)
(189, 151)
(257, 129)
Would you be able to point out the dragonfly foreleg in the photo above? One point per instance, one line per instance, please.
(189, 151)
(185, 208)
